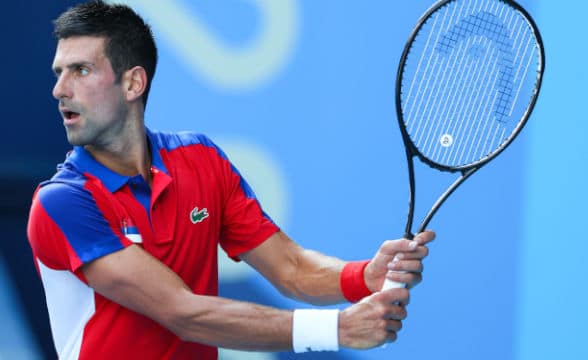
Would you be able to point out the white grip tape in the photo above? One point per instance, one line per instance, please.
(315, 330)
(390, 284)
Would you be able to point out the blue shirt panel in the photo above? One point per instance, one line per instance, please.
(88, 233)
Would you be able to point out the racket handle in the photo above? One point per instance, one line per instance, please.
(389, 284)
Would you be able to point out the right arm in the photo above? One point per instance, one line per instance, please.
(133, 278)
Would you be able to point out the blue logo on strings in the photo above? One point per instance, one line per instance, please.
(491, 27)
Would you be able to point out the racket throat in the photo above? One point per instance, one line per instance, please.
(411, 193)
(408, 234)
(464, 175)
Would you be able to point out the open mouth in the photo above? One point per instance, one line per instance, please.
(70, 115)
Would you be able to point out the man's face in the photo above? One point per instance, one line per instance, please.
(91, 102)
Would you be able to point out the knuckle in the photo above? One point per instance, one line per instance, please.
(384, 245)
(389, 243)
(407, 278)
(425, 251)
(415, 265)
(382, 312)
(399, 313)
(382, 336)
(403, 314)
(387, 247)
(392, 336)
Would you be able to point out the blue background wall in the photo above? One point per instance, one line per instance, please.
(301, 96)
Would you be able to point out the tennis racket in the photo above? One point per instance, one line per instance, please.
(467, 82)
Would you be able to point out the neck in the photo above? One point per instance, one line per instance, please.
(128, 154)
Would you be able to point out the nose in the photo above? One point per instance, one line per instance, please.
(62, 88)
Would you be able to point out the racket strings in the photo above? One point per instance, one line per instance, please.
(484, 28)
(467, 80)
(450, 98)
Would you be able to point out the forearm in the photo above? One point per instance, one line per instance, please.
(232, 324)
(137, 281)
(134, 279)
(316, 279)
(298, 273)
(244, 326)
(320, 279)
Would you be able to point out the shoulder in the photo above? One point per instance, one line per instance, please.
(57, 207)
(186, 140)
(174, 140)
(71, 222)
(66, 188)
(61, 204)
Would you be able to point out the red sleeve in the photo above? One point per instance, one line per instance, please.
(67, 228)
(244, 223)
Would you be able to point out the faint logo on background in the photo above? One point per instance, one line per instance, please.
(228, 67)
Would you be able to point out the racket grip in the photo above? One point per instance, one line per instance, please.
(389, 284)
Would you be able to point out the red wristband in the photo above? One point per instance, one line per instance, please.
(352, 282)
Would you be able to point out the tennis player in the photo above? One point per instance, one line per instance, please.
(125, 234)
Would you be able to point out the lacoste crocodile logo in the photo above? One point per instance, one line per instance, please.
(197, 215)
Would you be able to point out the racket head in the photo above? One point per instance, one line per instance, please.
(467, 82)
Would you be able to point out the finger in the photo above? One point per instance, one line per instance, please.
(393, 325)
(420, 253)
(396, 312)
(391, 336)
(425, 237)
(416, 279)
(392, 247)
(410, 279)
(394, 296)
(406, 265)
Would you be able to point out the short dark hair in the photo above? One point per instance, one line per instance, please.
(128, 39)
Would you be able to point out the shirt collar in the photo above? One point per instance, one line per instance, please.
(83, 161)
(156, 160)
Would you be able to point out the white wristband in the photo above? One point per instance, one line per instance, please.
(315, 330)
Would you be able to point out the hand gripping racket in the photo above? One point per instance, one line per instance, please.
(467, 82)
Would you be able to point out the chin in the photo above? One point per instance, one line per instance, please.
(75, 139)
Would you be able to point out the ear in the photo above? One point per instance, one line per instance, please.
(134, 83)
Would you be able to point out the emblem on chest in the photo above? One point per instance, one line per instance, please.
(198, 215)
(130, 231)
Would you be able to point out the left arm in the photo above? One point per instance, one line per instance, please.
(312, 277)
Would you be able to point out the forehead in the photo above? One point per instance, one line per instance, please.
(79, 49)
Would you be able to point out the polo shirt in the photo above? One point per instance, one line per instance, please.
(197, 201)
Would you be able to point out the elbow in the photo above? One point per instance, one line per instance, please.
(194, 318)
(180, 319)
(287, 283)
(183, 334)
(177, 323)
(185, 327)
(289, 290)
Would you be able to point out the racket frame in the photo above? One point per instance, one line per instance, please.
(468, 169)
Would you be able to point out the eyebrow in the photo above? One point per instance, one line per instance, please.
(72, 66)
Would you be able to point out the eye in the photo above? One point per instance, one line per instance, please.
(83, 71)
